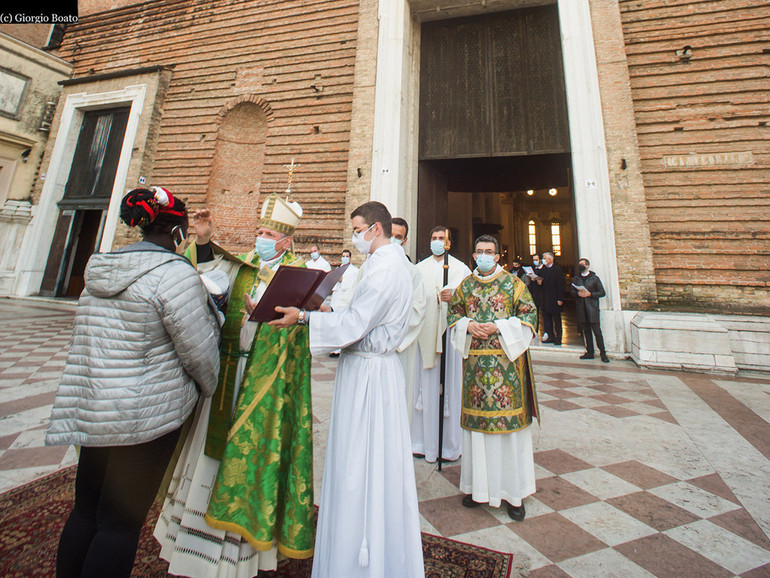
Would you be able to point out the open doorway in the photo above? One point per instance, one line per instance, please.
(494, 141)
(524, 202)
(87, 194)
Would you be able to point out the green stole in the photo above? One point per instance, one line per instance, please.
(264, 487)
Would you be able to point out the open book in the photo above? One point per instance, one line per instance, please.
(296, 287)
(531, 273)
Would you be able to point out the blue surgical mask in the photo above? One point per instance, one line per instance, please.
(345, 260)
(485, 263)
(395, 241)
(314, 255)
(265, 248)
(437, 247)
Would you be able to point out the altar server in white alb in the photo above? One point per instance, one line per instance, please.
(426, 405)
(368, 524)
(494, 318)
(407, 351)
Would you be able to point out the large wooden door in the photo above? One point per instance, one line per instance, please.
(493, 85)
(493, 110)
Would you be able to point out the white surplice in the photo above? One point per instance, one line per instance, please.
(320, 263)
(369, 522)
(408, 350)
(500, 466)
(192, 547)
(425, 417)
(344, 288)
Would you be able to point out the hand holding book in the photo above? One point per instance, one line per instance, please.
(296, 287)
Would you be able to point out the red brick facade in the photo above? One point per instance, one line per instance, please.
(265, 82)
(701, 115)
(293, 60)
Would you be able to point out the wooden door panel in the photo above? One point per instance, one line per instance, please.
(493, 85)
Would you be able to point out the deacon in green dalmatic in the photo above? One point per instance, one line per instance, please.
(248, 463)
(493, 316)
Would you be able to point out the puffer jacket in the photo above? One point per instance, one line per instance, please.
(145, 343)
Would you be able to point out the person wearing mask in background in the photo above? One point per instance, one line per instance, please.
(407, 351)
(552, 284)
(493, 315)
(518, 270)
(588, 289)
(536, 291)
(425, 418)
(401, 233)
(317, 261)
(145, 346)
(343, 290)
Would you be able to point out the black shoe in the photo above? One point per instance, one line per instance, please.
(469, 503)
(604, 357)
(587, 356)
(557, 342)
(334, 354)
(517, 513)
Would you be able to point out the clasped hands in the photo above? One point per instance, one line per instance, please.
(482, 330)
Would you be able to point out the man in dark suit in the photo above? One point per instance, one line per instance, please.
(536, 290)
(588, 288)
(552, 284)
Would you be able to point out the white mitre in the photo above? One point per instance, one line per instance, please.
(279, 215)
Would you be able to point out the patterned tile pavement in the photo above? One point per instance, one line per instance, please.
(640, 473)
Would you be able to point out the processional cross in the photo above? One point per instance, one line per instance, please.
(291, 168)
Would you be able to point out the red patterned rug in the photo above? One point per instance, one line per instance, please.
(32, 517)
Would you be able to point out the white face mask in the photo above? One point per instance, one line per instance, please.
(362, 244)
(437, 247)
(345, 260)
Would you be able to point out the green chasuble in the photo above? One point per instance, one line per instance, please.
(498, 394)
(264, 487)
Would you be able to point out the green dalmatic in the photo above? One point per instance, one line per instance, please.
(498, 394)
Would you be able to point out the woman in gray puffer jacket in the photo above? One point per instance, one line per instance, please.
(145, 345)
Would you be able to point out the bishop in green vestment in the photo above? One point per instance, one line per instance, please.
(256, 444)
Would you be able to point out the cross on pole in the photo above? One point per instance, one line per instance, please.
(291, 168)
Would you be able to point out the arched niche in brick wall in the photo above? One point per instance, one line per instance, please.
(236, 172)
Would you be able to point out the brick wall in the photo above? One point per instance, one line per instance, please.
(701, 118)
(296, 57)
(633, 247)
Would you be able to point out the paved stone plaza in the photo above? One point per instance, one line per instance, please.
(639, 472)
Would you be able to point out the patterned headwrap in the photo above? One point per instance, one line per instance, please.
(141, 207)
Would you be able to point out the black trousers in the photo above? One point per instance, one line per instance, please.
(552, 325)
(114, 490)
(586, 329)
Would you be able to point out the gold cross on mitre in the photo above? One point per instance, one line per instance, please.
(291, 168)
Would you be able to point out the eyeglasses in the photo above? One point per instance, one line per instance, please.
(487, 252)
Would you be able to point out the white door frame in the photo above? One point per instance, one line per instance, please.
(37, 240)
(395, 138)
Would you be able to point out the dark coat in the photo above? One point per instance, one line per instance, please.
(553, 287)
(521, 275)
(588, 307)
(536, 290)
